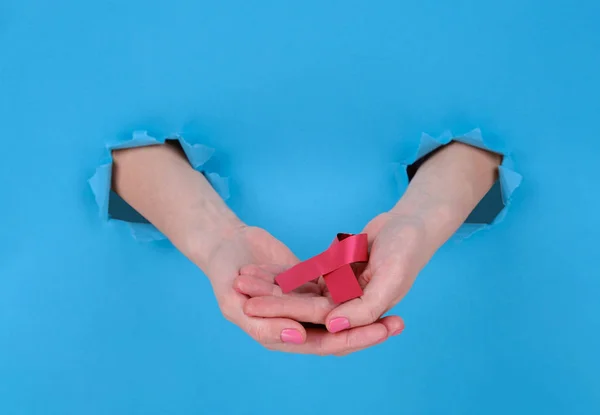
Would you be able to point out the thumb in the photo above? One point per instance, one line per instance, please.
(378, 297)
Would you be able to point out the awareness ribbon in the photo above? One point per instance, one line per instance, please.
(335, 265)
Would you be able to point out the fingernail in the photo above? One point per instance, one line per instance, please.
(338, 324)
(291, 336)
(397, 332)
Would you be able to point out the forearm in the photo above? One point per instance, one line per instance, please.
(161, 185)
(446, 188)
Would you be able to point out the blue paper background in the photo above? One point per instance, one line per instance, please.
(297, 98)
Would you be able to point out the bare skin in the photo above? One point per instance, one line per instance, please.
(159, 183)
(444, 191)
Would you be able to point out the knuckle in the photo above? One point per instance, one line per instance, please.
(276, 291)
(322, 312)
(349, 342)
(323, 353)
(250, 270)
(321, 350)
(258, 333)
(372, 314)
(256, 307)
(270, 347)
(365, 278)
(372, 306)
(314, 311)
(249, 307)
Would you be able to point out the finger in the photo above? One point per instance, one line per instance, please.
(275, 269)
(393, 324)
(303, 309)
(268, 272)
(275, 331)
(309, 289)
(377, 298)
(323, 343)
(258, 271)
(256, 287)
(358, 349)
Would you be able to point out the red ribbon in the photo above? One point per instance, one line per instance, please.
(334, 265)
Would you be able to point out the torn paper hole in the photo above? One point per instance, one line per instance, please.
(493, 207)
(112, 207)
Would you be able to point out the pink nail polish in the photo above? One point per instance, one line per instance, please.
(338, 324)
(291, 336)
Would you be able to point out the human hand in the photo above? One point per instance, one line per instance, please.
(285, 332)
(397, 254)
(311, 303)
(443, 192)
(445, 189)
(395, 259)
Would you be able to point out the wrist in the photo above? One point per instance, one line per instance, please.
(436, 220)
(213, 229)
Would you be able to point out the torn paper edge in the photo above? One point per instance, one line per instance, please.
(509, 179)
(100, 182)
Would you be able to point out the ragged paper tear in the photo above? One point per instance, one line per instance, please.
(493, 207)
(112, 207)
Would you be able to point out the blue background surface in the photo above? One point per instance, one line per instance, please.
(298, 98)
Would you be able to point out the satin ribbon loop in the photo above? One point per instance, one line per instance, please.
(335, 265)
